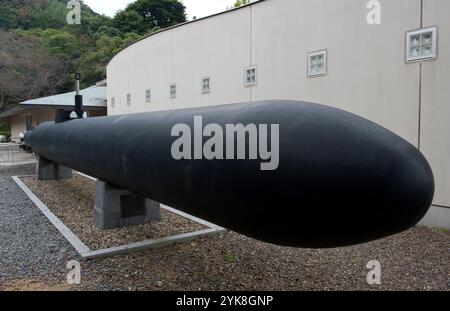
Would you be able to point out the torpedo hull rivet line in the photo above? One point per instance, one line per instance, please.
(285, 172)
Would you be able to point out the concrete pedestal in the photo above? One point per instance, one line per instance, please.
(47, 170)
(117, 208)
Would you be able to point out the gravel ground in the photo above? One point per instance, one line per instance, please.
(30, 247)
(34, 255)
(72, 202)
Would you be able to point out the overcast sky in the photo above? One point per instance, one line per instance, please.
(199, 8)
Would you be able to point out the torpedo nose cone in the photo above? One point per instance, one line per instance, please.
(342, 180)
(410, 190)
(363, 206)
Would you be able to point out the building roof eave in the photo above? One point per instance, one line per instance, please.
(12, 111)
(94, 96)
(94, 99)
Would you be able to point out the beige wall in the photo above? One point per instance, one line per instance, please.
(97, 113)
(367, 73)
(18, 121)
(41, 115)
(18, 125)
(435, 133)
(218, 47)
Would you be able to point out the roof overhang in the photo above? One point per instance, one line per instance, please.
(94, 98)
(13, 111)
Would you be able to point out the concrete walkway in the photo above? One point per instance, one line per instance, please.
(11, 155)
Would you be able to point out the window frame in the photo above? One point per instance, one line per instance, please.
(324, 73)
(148, 96)
(250, 84)
(128, 99)
(172, 85)
(202, 80)
(434, 44)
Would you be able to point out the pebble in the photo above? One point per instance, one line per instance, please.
(413, 260)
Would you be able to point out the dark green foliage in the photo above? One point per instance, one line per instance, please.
(239, 3)
(5, 128)
(40, 52)
(28, 69)
(129, 21)
(28, 14)
(144, 16)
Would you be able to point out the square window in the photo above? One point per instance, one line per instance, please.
(148, 96)
(415, 51)
(113, 102)
(128, 99)
(206, 85)
(427, 38)
(421, 44)
(250, 76)
(427, 50)
(173, 90)
(317, 63)
(415, 40)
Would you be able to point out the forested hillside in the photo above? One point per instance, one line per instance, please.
(40, 52)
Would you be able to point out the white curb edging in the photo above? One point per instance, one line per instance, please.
(86, 253)
(66, 232)
(159, 243)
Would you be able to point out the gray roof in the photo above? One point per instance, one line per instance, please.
(93, 97)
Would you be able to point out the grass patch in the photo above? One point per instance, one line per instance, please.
(230, 258)
(445, 231)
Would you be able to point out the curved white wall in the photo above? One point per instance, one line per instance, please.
(435, 99)
(218, 47)
(367, 73)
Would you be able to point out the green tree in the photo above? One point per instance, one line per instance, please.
(129, 21)
(61, 43)
(239, 3)
(28, 70)
(8, 18)
(158, 13)
(92, 64)
(107, 31)
(40, 52)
